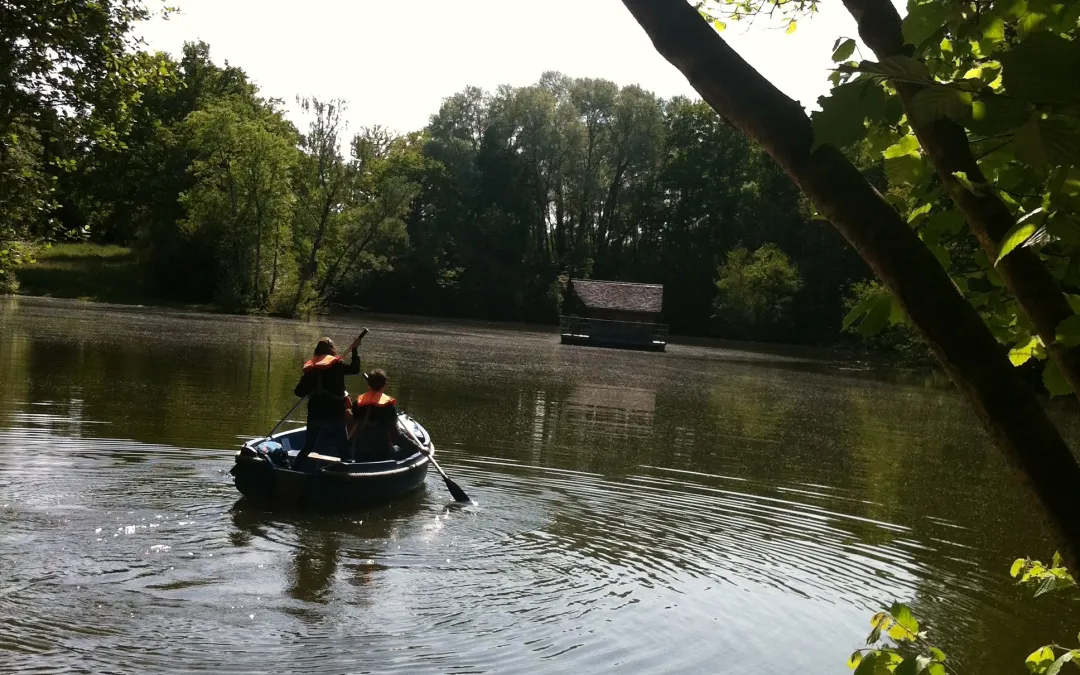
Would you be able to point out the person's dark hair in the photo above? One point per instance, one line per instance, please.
(376, 379)
(324, 347)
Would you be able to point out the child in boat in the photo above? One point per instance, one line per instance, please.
(375, 429)
(323, 382)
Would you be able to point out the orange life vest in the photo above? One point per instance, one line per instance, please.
(377, 399)
(321, 363)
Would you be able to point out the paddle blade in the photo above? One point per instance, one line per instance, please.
(455, 490)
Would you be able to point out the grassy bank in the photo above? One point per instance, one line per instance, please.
(86, 272)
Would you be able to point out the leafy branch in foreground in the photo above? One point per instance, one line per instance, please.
(897, 644)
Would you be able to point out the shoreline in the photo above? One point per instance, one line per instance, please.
(853, 361)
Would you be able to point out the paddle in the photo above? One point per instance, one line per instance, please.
(297, 404)
(287, 415)
(455, 490)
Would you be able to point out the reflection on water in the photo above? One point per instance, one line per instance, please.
(691, 511)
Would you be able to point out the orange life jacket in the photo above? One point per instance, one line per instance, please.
(321, 363)
(377, 399)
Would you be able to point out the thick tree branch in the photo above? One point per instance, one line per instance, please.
(948, 323)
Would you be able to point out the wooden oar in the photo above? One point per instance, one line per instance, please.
(287, 415)
(455, 489)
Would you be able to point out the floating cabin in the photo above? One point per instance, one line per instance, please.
(614, 314)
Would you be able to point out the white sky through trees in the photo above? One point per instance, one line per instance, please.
(395, 60)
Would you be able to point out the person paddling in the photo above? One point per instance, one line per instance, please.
(323, 382)
(375, 416)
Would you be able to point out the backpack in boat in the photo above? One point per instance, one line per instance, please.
(274, 452)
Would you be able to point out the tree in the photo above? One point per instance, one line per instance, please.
(755, 292)
(346, 208)
(241, 204)
(324, 180)
(63, 69)
(913, 276)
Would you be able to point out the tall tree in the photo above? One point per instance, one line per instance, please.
(57, 60)
(241, 203)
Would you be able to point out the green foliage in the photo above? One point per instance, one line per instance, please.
(907, 652)
(584, 179)
(479, 214)
(909, 649)
(1006, 73)
(26, 199)
(879, 321)
(755, 292)
(63, 86)
(241, 203)
(1045, 578)
(841, 120)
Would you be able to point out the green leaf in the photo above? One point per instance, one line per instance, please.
(945, 223)
(917, 214)
(940, 101)
(1019, 233)
(791, 27)
(1055, 668)
(1056, 561)
(860, 308)
(993, 114)
(843, 50)
(841, 120)
(1021, 353)
(874, 636)
(908, 666)
(719, 25)
(924, 20)
(1057, 385)
(854, 660)
(868, 665)
(936, 668)
(904, 617)
(962, 177)
(904, 165)
(903, 68)
(993, 29)
(880, 137)
(1029, 23)
(937, 654)
(1042, 69)
(1017, 567)
(905, 170)
(1074, 302)
(941, 254)
(1040, 659)
(1012, 8)
(1068, 333)
(875, 312)
(1028, 145)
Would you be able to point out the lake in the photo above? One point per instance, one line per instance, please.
(695, 511)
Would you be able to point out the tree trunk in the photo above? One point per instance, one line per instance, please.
(946, 142)
(951, 327)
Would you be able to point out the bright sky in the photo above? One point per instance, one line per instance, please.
(395, 60)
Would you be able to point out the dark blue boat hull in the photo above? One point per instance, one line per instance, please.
(325, 483)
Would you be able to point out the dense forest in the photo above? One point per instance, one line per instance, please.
(483, 213)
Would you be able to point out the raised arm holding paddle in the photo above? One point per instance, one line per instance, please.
(323, 383)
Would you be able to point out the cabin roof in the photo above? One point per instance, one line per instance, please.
(619, 295)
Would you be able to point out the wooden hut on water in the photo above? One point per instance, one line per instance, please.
(614, 314)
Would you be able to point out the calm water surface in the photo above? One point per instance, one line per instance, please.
(698, 511)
